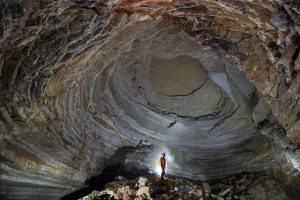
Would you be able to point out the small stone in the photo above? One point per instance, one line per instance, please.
(225, 192)
(120, 178)
(206, 187)
(142, 181)
(144, 192)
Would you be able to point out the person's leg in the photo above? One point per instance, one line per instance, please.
(163, 172)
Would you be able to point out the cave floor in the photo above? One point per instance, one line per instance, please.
(245, 186)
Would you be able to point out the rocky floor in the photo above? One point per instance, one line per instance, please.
(254, 186)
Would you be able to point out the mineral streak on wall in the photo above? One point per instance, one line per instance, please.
(80, 80)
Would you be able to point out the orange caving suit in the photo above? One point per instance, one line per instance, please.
(162, 164)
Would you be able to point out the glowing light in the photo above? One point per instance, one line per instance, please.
(169, 157)
(158, 169)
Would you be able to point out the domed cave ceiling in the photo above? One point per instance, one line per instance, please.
(215, 84)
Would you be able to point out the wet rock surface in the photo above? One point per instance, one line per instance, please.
(85, 82)
(254, 186)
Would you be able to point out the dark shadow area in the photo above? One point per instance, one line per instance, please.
(115, 168)
(95, 182)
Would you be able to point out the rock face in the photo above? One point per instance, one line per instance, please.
(84, 83)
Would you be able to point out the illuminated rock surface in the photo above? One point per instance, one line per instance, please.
(83, 84)
(246, 186)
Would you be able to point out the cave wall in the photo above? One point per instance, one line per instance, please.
(79, 80)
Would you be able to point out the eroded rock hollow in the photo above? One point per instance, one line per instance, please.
(84, 84)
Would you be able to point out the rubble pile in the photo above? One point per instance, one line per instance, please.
(252, 186)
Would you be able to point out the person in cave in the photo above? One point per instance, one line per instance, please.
(162, 163)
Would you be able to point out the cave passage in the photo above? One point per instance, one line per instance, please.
(89, 86)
